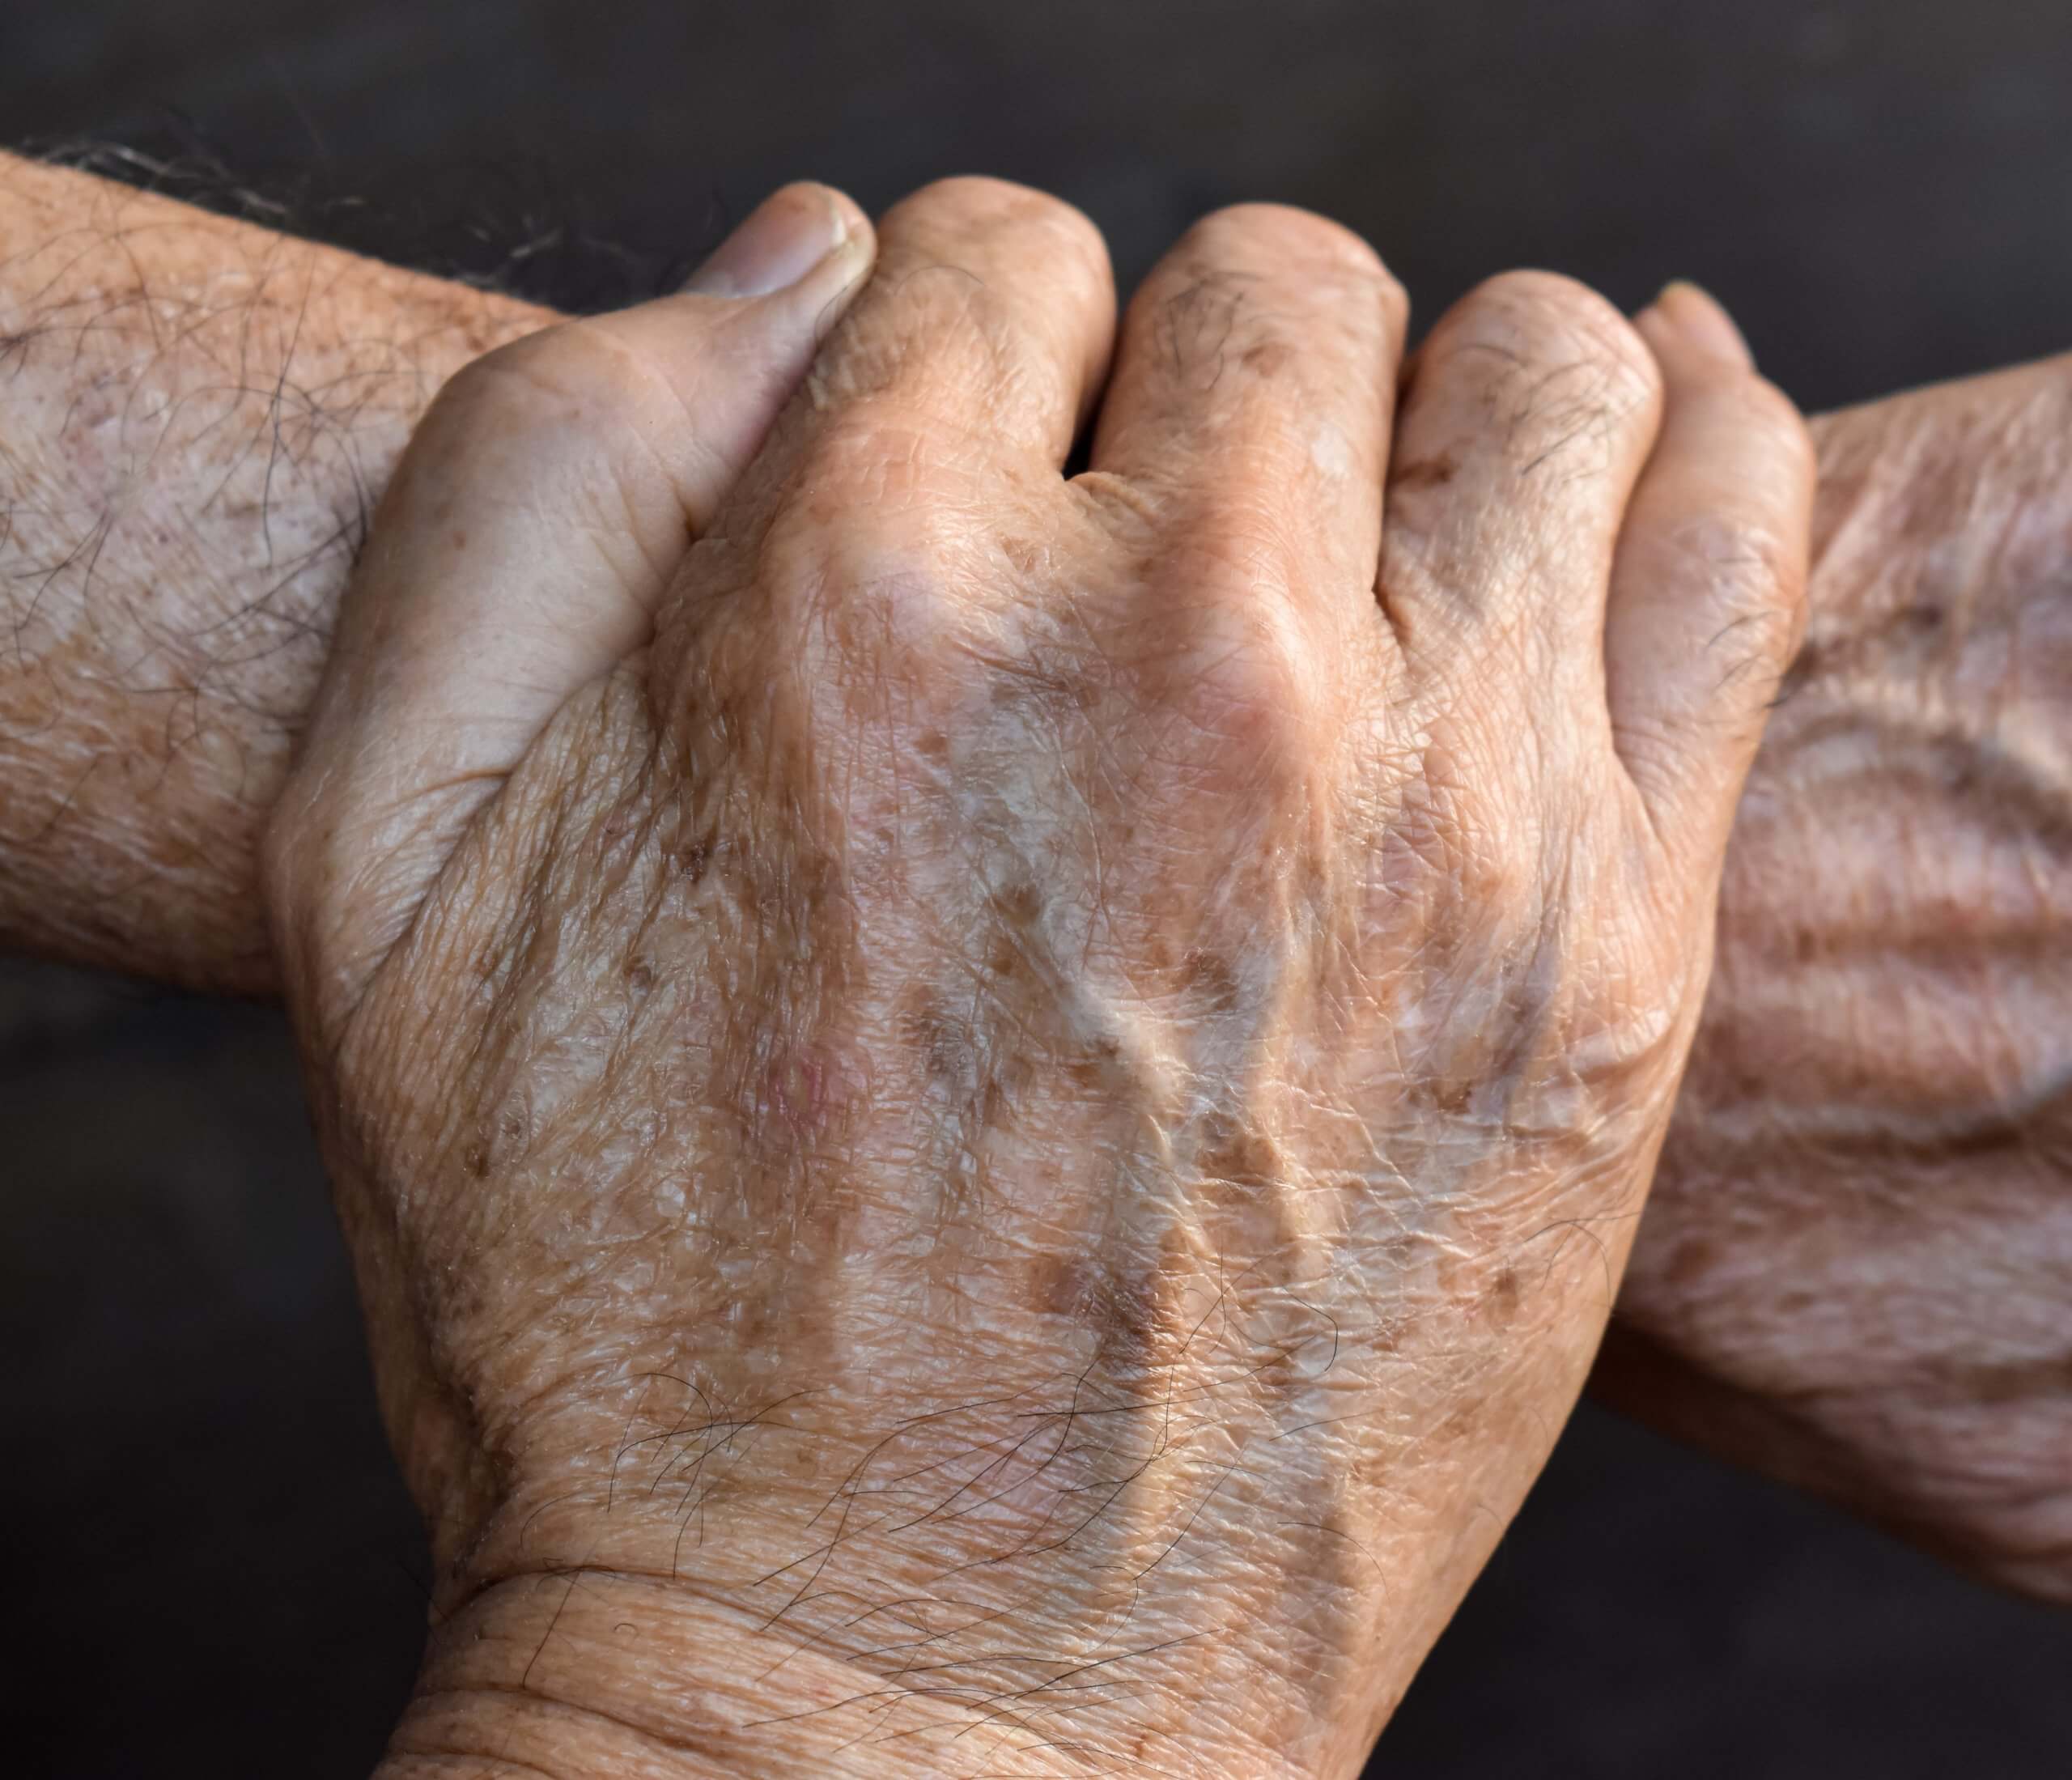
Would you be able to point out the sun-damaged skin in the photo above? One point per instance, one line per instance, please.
(1856, 1271)
(1000, 1145)
(197, 417)
(170, 564)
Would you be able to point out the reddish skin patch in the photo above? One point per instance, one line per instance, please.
(811, 1090)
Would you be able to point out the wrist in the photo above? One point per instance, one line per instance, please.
(583, 1672)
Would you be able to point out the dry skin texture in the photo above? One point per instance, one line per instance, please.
(1000, 1149)
(1856, 1268)
(197, 417)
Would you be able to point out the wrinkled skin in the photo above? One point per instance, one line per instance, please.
(185, 600)
(1856, 1271)
(1001, 1147)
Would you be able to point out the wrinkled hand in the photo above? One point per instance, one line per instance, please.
(989, 1120)
(1856, 1269)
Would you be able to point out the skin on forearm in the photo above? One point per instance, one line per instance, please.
(1855, 1265)
(196, 416)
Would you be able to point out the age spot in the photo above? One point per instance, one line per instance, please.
(945, 1045)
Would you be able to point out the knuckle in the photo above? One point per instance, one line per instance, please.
(1545, 318)
(859, 567)
(1246, 680)
(971, 206)
(1337, 268)
(1272, 235)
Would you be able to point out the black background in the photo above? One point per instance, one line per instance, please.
(212, 1565)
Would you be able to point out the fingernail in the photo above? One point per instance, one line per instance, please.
(1699, 318)
(781, 240)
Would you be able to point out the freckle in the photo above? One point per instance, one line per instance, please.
(1054, 1284)
(1211, 978)
(640, 976)
(1020, 904)
(1504, 1293)
(933, 745)
(459, 539)
(1454, 1096)
(1267, 358)
(1024, 555)
(1238, 1153)
(945, 1049)
(476, 1158)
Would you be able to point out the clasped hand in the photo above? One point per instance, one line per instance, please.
(988, 1117)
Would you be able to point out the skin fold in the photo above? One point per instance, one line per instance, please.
(1856, 1269)
(996, 1114)
(1829, 1285)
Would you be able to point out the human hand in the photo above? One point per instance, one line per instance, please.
(1855, 1268)
(1008, 1140)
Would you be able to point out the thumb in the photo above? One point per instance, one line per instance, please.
(534, 523)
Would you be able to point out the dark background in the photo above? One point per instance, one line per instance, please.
(212, 1567)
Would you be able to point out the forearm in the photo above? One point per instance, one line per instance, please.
(196, 416)
(1854, 1266)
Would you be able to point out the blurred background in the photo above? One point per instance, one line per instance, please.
(214, 1565)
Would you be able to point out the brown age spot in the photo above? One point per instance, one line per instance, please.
(945, 1043)
(1268, 359)
(1504, 1294)
(1210, 977)
(1097, 1066)
(1024, 556)
(1236, 1151)
(1126, 1308)
(639, 975)
(1005, 957)
(1018, 905)
(475, 1158)
(932, 744)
